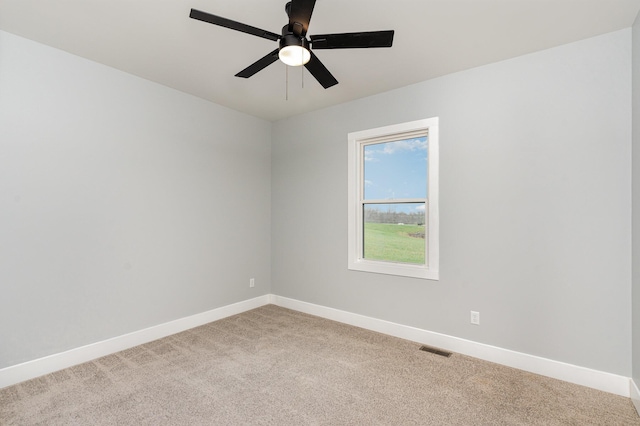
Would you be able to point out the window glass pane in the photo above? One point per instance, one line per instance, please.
(396, 169)
(395, 232)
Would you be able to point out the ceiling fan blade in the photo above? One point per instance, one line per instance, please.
(299, 16)
(228, 23)
(320, 72)
(259, 65)
(352, 40)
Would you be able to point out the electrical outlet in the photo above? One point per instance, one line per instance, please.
(475, 317)
(252, 282)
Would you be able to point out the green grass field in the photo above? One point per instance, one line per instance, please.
(394, 243)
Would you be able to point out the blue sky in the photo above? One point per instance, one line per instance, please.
(396, 169)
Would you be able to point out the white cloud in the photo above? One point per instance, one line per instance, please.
(420, 207)
(369, 156)
(405, 145)
(368, 182)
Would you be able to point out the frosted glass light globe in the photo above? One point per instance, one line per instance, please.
(294, 55)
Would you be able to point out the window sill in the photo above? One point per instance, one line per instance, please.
(398, 269)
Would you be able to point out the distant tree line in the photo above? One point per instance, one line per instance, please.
(378, 216)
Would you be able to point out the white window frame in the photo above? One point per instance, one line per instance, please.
(356, 142)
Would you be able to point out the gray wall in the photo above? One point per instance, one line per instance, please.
(636, 201)
(123, 204)
(535, 205)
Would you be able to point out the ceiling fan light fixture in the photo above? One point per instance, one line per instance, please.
(294, 51)
(295, 47)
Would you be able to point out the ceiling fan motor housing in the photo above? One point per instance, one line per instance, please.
(290, 39)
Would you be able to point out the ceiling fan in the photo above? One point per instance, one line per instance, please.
(295, 48)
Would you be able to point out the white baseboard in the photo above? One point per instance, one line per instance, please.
(607, 382)
(635, 394)
(41, 366)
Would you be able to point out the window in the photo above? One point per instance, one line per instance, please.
(393, 200)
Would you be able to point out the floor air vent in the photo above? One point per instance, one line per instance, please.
(435, 351)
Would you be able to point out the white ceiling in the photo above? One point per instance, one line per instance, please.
(156, 40)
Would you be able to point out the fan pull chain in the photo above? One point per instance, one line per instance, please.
(286, 90)
(302, 66)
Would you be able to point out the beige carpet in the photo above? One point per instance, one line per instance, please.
(280, 367)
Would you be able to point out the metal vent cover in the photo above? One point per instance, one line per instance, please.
(436, 351)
